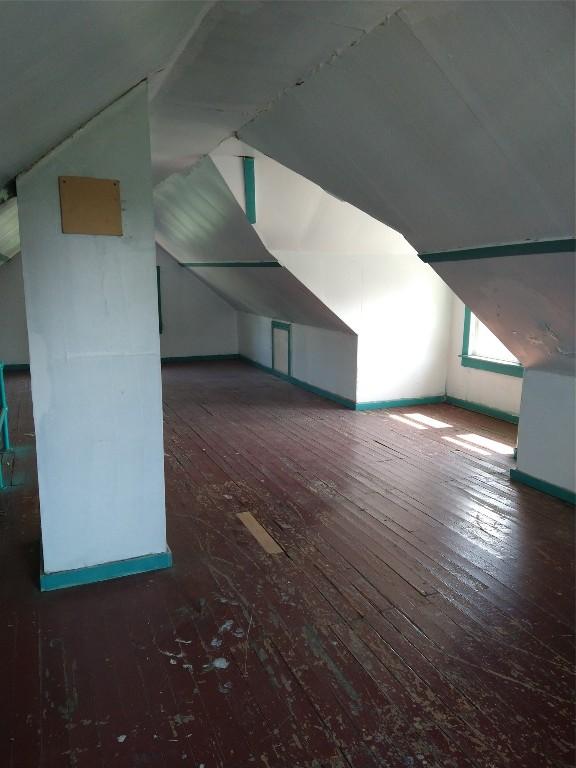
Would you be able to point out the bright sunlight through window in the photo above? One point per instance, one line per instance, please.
(484, 344)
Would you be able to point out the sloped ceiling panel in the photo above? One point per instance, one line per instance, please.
(272, 293)
(527, 301)
(9, 230)
(199, 220)
(63, 62)
(452, 123)
(241, 58)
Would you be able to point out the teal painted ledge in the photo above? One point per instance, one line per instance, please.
(199, 358)
(541, 485)
(483, 364)
(401, 403)
(115, 570)
(483, 409)
(497, 251)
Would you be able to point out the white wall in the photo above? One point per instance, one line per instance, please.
(494, 390)
(195, 320)
(92, 318)
(364, 271)
(13, 331)
(325, 359)
(547, 428)
(254, 338)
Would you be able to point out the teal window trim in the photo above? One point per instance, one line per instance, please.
(283, 327)
(484, 363)
(249, 188)
(159, 292)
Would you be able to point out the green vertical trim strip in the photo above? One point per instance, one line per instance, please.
(466, 334)
(104, 572)
(249, 188)
(158, 291)
(283, 327)
(4, 409)
(541, 485)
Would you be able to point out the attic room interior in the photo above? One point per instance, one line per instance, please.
(287, 384)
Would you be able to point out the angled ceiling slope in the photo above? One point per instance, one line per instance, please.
(241, 58)
(63, 62)
(199, 221)
(454, 124)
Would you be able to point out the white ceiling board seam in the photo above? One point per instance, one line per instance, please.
(335, 56)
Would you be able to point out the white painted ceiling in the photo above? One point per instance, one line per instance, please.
(453, 123)
(9, 230)
(63, 62)
(244, 55)
(527, 301)
(198, 219)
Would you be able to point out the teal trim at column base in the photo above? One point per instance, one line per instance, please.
(199, 358)
(483, 409)
(17, 367)
(79, 576)
(541, 485)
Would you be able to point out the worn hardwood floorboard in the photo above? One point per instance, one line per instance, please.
(420, 613)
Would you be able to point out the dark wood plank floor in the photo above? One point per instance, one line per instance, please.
(420, 613)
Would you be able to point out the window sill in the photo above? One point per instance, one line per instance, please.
(483, 364)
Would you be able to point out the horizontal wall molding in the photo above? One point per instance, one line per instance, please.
(485, 410)
(484, 364)
(377, 405)
(497, 251)
(199, 358)
(104, 572)
(541, 485)
(228, 264)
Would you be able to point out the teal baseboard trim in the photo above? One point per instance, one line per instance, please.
(406, 402)
(483, 409)
(347, 403)
(199, 358)
(483, 364)
(8, 367)
(496, 251)
(104, 572)
(541, 485)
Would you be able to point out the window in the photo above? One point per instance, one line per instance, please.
(481, 349)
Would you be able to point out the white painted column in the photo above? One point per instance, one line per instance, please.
(92, 318)
(547, 433)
